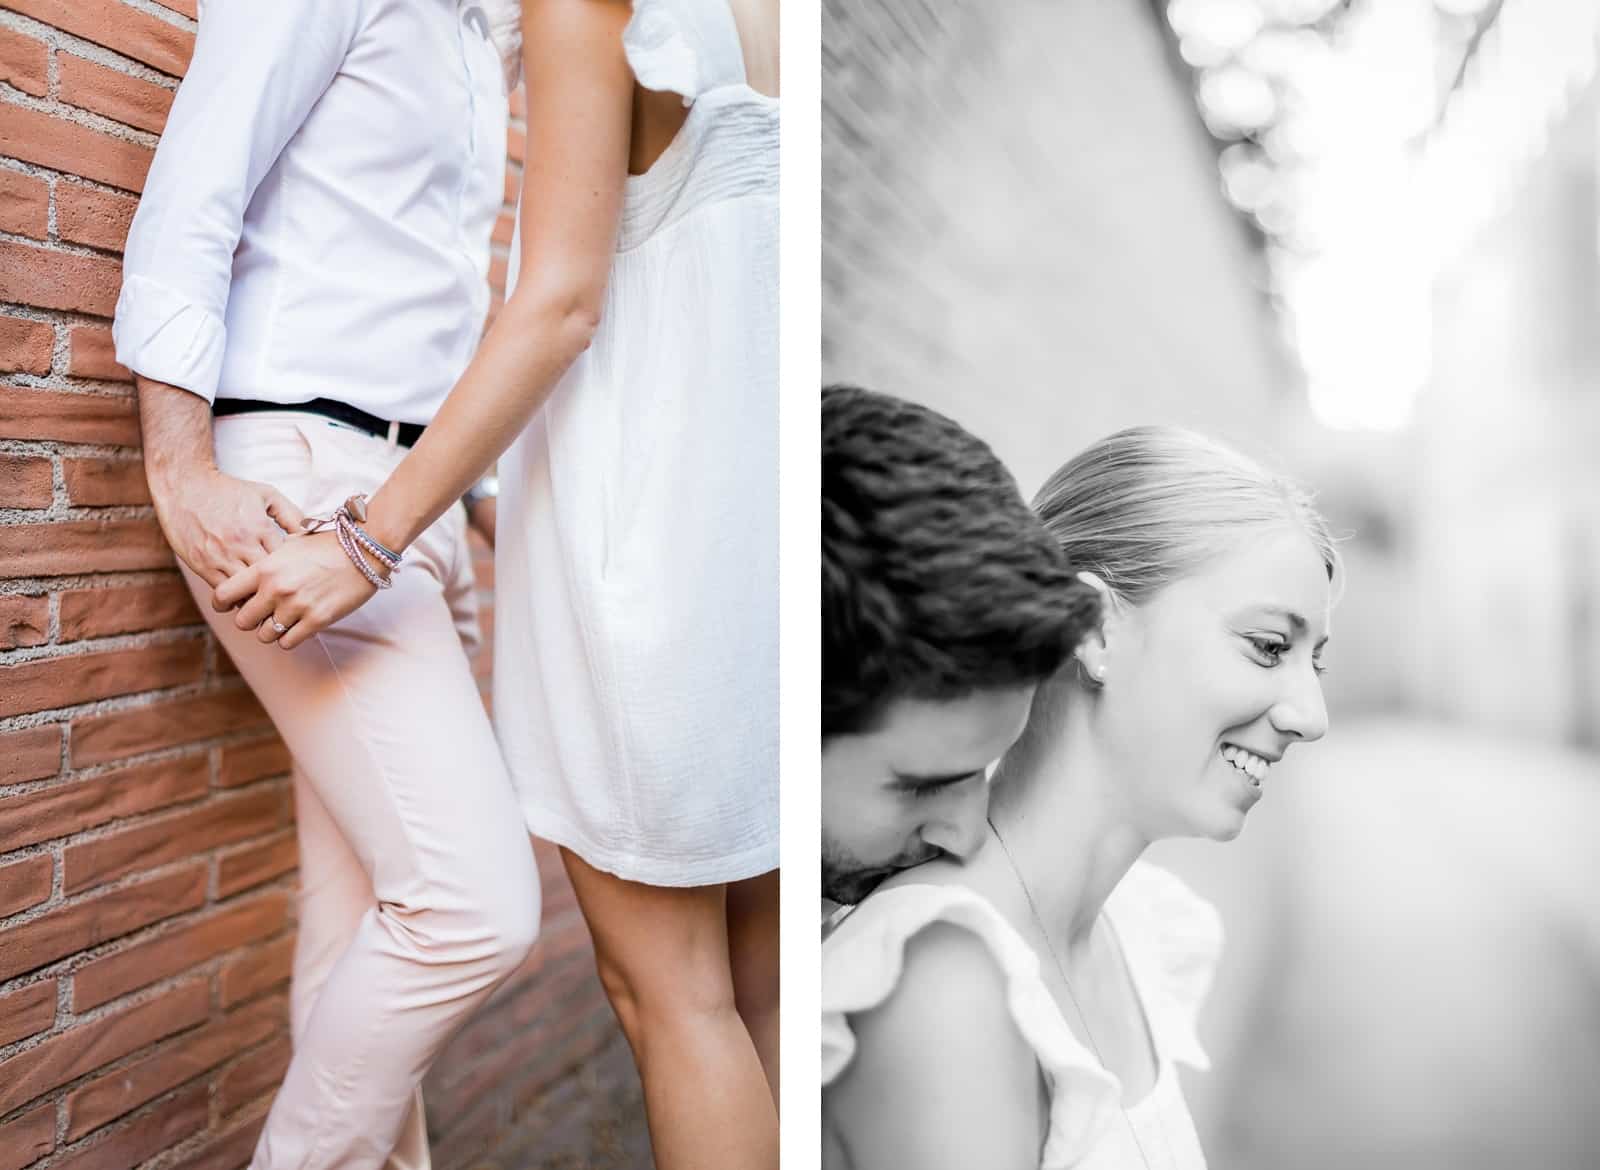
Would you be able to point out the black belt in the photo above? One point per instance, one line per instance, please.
(342, 412)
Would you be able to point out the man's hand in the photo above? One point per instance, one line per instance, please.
(219, 525)
(215, 523)
(306, 586)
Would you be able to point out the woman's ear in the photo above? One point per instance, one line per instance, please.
(1091, 653)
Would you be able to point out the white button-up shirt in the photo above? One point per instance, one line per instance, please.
(316, 223)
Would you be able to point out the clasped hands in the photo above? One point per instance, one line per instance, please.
(244, 539)
(295, 592)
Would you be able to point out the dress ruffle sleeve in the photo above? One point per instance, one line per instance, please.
(861, 966)
(1179, 938)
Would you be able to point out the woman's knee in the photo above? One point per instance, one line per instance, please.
(665, 984)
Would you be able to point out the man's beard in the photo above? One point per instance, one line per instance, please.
(848, 880)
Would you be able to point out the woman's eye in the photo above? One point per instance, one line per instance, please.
(1272, 649)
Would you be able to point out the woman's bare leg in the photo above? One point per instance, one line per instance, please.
(662, 955)
(753, 957)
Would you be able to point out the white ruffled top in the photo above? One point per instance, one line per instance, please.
(1171, 940)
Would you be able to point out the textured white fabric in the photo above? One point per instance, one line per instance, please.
(636, 637)
(316, 222)
(1171, 940)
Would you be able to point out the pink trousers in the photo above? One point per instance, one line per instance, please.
(418, 889)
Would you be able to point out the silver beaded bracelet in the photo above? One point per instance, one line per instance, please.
(346, 522)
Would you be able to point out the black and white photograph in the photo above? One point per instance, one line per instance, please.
(1210, 546)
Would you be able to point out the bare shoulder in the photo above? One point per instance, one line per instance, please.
(942, 1076)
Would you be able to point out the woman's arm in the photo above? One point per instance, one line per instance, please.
(580, 92)
(941, 1079)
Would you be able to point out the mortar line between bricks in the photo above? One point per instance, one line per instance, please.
(63, 247)
(104, 643)
(88, 119)
(58, 38)
(144, 759)
(15, 517)
(119, 704)
(88, 582)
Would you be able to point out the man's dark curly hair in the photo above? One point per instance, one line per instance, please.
(937, 579)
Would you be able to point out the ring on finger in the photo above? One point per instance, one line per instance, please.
(278, 626)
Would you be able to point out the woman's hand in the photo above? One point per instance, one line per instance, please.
(305, 586)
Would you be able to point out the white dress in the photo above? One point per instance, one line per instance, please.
(1171, 940)
(636, 637)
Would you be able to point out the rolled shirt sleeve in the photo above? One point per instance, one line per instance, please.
(259, 67)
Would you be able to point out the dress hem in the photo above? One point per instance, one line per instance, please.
(654, 871)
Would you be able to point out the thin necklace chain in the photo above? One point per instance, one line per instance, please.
(1044, 933)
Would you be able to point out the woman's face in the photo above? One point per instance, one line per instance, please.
(1210, 681)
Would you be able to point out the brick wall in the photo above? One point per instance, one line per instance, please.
(147, 850)
(1022, 225)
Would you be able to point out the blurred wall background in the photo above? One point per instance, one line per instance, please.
(1024, 226)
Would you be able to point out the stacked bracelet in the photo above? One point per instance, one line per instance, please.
(353, 538)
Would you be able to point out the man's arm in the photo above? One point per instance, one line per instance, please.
(215, 523)
(257, 71)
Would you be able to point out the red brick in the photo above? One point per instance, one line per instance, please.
(116, 26)
(504, 225)
(107, 1098)
(31, 817)
(230, 1152)
(25, 883)
(245, 762)
(98, 613)
(85, 1047)
(170, 838)
(130, 100)
(255, 864)
(146, 1136)
(68, 417)
(82, 546)
(27, 1011)
(58, 280)
(255, 1076)
(515, 141)
(28, 1137)
(25, 346)
(30, 754)
(497, 273)
(46, 683)
(188, 7)
(512, 186)
(87, 215)
(519, 102)
(97, 481)
(100, 738)
(24, 62)
(24, 621)
(92, 354)
(79, 925)
(24, 204)
(26, 480)
(104, 979)
(49, 141)
(262, 969)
